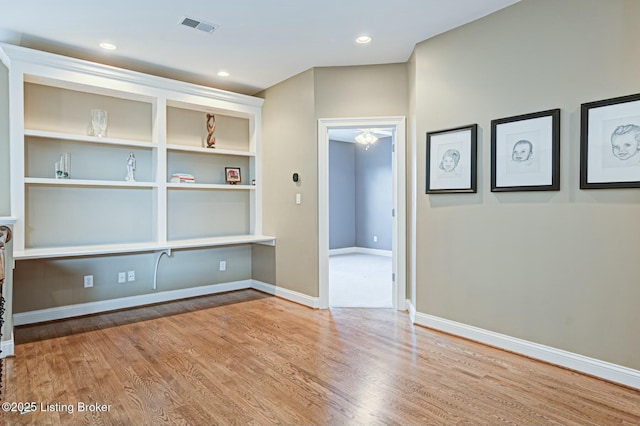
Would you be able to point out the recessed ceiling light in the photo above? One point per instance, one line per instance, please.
(223, 74)
(363, 39)
(108, 46)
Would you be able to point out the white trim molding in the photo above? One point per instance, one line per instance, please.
(293, 296)
(399, 232)
(594, 367)
(69, 311)
(7, 347)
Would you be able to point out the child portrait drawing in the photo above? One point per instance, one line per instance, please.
(625, 142)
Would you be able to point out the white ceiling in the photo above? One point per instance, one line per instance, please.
(259, 42)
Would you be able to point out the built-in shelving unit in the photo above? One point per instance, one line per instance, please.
(163, 123)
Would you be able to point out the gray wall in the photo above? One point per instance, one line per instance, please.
(556, 268)
(5, 207)
(342, 194)
(374, 195)
(41, 284)
(360, 195)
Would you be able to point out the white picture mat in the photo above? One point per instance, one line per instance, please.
(460, 178)
(602, 165)
(539, 169)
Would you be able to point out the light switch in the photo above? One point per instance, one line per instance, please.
(298, 199)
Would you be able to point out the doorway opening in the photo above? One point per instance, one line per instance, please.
(366, 249)
(360, 219)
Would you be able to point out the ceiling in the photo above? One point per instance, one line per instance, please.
(259, 42)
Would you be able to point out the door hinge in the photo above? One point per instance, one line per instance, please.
(393, 277)
(393, 212)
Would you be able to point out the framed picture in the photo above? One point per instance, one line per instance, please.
(232, 175)
(452, 160)
(610, 143)
(525, 152)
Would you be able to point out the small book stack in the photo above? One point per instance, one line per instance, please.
(182, 178)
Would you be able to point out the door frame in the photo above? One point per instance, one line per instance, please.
(399, 234)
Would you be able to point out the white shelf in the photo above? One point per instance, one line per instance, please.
(227, 187)
(91, 139)
(211, 151)
(7, 220)
(221, 241)
(93, 183)
(105, 249)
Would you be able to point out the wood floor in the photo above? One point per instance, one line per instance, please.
(248, 358)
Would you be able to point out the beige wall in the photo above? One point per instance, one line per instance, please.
(557, 268)
(411, 170)
(361, 91)
(289, 146)
(290, 114)
(5, 206)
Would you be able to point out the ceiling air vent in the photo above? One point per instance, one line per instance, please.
(198, 25)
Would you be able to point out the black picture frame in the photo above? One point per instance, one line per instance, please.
(525, 152)
(232, 175)
(610, 143)
(451, 165)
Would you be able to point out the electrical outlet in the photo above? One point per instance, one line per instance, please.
(375, 238)
(122, 277)
(131, 276)
(223, 265)
(88, 281)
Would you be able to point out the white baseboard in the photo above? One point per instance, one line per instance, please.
(602, 369)
(7, 348)
(362, 250)
(294, 296)
(80, 309)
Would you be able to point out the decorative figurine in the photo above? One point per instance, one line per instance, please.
(63, 167)
(211, 127)
(131, 168)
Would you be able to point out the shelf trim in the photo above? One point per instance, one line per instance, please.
(210, 151)
(85, 182)
(90, 139)
(105, 249)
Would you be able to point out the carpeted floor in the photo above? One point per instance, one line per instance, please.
(360, 280)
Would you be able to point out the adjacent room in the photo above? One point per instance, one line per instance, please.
(360, 218)
(285, 213)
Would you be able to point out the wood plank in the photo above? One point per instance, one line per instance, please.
(248, 358)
